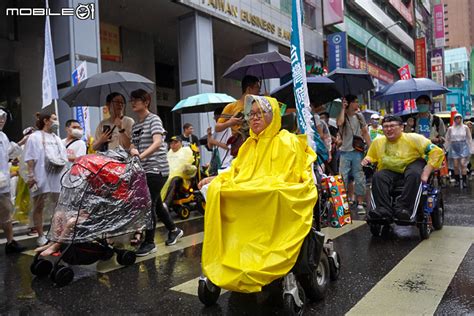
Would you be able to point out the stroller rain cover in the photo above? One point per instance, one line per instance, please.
(102, 195)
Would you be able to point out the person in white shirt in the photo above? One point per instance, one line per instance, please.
(75, 146)
(46, 158)
(116, 130)
(7, 151)
(458, 142)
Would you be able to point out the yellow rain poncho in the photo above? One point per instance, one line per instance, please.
(397, 155)
(178, 161)
(259, 212)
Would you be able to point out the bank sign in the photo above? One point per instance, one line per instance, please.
(337, 50)
(261, 19)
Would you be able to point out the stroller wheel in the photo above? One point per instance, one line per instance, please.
(41, 267)
(62, 275)
(126, 257)
(289, 304)
(438, 214)
(316, 284)
(183, 212)
(108, 254)
(208, 292)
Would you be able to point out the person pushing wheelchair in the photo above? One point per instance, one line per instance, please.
(399, 156)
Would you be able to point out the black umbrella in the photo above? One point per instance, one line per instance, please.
(320, 90)
(351, 81)
(94, 90)
(263, 66)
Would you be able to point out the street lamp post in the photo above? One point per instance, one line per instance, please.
(367, 56)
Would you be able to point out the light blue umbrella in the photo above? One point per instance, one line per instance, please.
(410, 89)
(204, 102)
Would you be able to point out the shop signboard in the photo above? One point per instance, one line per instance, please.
(406, 11)
(337, 50)
(358, 62)
(333, 12)
(438, 18)
(405, 74)
(437, 73)
(420, 58)
(110, 42)
(360, 35)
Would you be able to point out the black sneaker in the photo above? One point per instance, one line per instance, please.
(146, 249)
(13, 247)
(173, 237)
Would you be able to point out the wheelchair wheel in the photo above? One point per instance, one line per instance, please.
(316, 284)
(41, 267)
(333, 270)
(438, 214)
(208, 293)
(375, 229)
(183, 212)
(425, 227)
(289, 304)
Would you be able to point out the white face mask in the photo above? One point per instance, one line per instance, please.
(55, 127)
(77, 133)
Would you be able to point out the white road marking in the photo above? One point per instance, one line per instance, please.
(416, 285)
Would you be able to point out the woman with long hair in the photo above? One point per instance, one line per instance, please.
(458, 140)
(46, 158)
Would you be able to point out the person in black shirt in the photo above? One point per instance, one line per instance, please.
(187, 137)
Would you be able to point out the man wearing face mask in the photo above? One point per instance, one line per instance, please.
(427, 124)
(75, 146)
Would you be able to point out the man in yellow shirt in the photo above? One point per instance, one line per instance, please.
(400, 156)
(231, 115)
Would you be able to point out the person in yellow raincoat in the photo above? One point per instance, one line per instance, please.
(400, 156)
(259, 212)
(180, 159)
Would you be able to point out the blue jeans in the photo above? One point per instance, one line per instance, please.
(349, 164)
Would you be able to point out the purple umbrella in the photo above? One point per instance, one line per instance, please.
(263, 66)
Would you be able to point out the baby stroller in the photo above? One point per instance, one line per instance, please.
(429, 214)
(102, 196)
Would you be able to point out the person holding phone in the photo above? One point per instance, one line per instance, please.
(117, 130)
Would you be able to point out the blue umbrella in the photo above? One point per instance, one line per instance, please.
(410, 89)
(204, 102)
(406, 112)
(320, 89)
(263, 65)
(351, 81)
(368, 113)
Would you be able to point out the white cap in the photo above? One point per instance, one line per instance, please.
(375, 116)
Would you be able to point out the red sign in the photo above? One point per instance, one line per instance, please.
(377, 72)
(405, 11)
(420, 58)
(405, 74)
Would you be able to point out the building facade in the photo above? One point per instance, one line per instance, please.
(184, 46)
(459, 26)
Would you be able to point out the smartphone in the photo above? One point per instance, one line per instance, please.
(105, 128)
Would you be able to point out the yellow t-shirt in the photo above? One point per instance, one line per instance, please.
(397, 155)
(232, 109)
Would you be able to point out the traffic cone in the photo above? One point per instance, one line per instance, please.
(453, 112)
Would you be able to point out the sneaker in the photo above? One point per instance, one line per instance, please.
(41, 241)
(145, 249)
(32, 232)
(173, 236)
(13, 247)
(361, 209)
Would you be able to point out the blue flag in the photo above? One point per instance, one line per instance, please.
(300, 88)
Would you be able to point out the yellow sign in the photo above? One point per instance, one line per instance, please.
(110, 42)
(248, 17)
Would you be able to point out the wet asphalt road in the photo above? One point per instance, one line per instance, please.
(167, 284)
